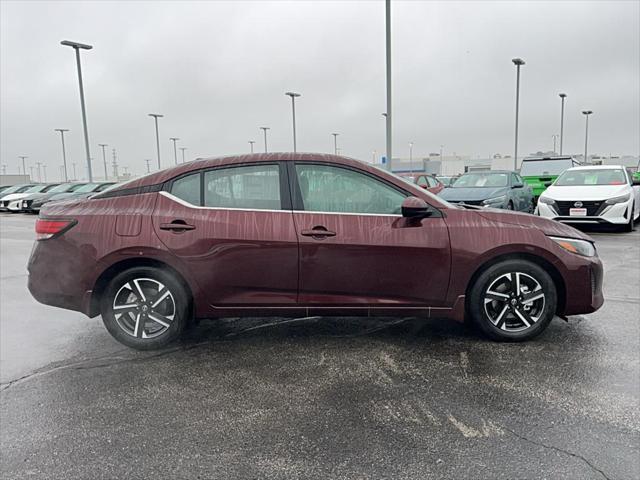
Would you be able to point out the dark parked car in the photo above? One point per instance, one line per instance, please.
(300, 235)
(36, 201)
(34, 204)
(495, 189)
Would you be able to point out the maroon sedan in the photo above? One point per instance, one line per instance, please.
(426, 181)
(300, 235)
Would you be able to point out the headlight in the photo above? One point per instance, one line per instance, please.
(620, 199)
(499, 199)
(573, 245)
(546, 200)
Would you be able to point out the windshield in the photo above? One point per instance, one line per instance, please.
(538, 168)
(60, 188)
(484, 179)
(16, 189)
(48, 188)
(89, 187)
(591, 177)
(104, 186)
(36, 189)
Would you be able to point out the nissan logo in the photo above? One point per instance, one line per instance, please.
(577, 204)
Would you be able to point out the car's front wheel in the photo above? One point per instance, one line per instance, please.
(513, 300)
(145, 308)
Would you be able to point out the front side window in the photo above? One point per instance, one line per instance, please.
(327, 188)
(254, 187)
(187, 188)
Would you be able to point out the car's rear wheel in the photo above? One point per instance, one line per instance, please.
(513, 300)
(145, 308)
(510, 205)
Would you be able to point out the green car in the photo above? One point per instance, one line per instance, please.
(540, 172)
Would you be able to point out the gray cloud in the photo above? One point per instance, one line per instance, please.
(219, 70)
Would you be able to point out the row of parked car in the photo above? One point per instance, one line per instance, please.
(30, 197)
(553, 187)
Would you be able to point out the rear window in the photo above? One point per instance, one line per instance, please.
(541, 168)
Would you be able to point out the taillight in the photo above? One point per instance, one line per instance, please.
(48, 228)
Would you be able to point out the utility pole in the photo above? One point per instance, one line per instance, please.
(77, 47)
(335, 143)
(24, 167)
(44, 172)
(115, 164)
(175, 152)
(264, 129)
(562, 97)
(183, 149)
(411, 156)
(388, 112)
(251, 142)
(104, 160)
(555, 137)
(39, 174)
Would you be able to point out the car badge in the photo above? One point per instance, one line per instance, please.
(577, 204)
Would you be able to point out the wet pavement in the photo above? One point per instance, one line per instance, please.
(320, 398)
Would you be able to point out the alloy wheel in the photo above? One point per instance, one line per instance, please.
(514, 302)
(144, 308)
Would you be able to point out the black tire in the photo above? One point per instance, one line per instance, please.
(509, 326)
(629, 226)
(510, 205)
(172, 310)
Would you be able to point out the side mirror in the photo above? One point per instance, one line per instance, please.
(518, 185)
(414, 207)
(547, 184)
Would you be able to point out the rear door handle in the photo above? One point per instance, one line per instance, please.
(177, 226)
(318, 232)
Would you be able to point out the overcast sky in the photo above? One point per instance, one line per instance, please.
(218, 70)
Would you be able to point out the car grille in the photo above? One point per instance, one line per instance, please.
(468, 202)
(593, 208)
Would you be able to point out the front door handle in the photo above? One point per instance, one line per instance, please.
(318, 232)
(177, 226)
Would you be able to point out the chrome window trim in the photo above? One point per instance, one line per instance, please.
(350, 213)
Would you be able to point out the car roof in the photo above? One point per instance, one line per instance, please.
(490, 171)
(597, 167)
(557, 157)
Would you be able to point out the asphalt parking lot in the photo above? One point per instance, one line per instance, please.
(320, 398)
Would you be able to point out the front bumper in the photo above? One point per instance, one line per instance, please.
(617, 214)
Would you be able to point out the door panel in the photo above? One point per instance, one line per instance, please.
(239, 257)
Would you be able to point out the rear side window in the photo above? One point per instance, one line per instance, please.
(187, 188)
(254, 187)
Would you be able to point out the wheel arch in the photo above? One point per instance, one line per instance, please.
(114, 269)
(545, 264)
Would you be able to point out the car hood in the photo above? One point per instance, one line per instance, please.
(545, 225)
(34, 196)
(470, 194)
(586, 192)
(15, 196)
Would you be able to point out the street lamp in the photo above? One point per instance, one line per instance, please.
(39, 164)
(24, 165)
(264, 129)
(518, 62)
(77, 47)
(411, 156)
(293, 96)
(156, 116)
(175, 152)
(586, 114)
(388, 75)
(335, 143)
(64, 153)
(104, 160)
(251, 142)
(183, 149)
(562, 97)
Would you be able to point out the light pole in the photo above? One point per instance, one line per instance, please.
(39, 173)
(586, 114)
(147, 161)
(175, 152)
(64, 153)
(156, 116)
(104, 160)
(388, 54)
(77, 47)
(31, 176)
(74, 171)
(518, 62)
(251, 142)
(335, 143)
(182, 149)
(373, 158)
(293, 96)
(555, 137)
(264, 129)
(24, 165)
(562, 97)
(411, 156)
